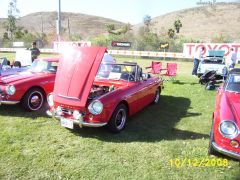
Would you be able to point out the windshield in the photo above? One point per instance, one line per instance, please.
(233, 83)
(117, 72)
(1, 60)
(44, 66)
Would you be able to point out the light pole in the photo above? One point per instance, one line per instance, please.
(59, 21)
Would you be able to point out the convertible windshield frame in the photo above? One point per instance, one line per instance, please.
(122, 72)
(232, 83)
(42, 65)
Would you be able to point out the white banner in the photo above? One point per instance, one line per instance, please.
(58, 45)
(23, 56)
(189, 49)
(18, 44)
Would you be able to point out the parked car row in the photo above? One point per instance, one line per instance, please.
(86, 91)
(83, 88)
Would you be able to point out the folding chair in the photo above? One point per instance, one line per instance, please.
(171, 72)
(156, 67)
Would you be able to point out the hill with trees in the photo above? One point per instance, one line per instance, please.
(214, 23)
(211, 23)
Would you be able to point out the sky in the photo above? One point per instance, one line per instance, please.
(131, 11)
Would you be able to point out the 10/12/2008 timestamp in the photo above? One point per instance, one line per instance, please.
(198, 162)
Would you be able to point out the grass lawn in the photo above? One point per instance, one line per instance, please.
(164, 141)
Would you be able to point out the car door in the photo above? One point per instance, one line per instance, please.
(147, 89)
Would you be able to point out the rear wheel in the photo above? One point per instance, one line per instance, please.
(157, 96)
(33, 100)
(118, 120)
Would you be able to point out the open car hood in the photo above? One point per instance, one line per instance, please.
(216, 53)
(76, 72)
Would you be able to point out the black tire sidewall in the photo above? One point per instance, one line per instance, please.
(112, 123)
(211, 151)
(157, 93)
(27, 98)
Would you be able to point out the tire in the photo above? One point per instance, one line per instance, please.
(157, 96)
(118, 120)
(33, 100)
(211, 150)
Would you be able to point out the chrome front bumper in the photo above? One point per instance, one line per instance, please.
(9, 102)
(79, 122)
(226, 152)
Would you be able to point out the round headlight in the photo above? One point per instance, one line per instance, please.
(228, 129)
(95, 107)
(77, 114)
(10, 90)
(59, 111)
(50, 100)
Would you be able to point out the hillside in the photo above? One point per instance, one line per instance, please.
(203, 22)
(82, 24)
(200, 23)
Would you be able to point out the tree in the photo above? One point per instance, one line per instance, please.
(171, 33)
(147, 21)
(126, 28)
(110, 27)
(147, 41)
(177, 25)
(10, 26)
(19, 33)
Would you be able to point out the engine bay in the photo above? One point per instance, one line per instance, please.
(98, 90)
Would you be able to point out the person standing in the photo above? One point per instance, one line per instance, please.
(233, 58)
(34, 51)
(198, 57)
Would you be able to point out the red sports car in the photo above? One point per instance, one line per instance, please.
(83, 96)
(225, 133)
(30, 88)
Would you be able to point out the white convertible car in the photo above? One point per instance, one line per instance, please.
(213, 62)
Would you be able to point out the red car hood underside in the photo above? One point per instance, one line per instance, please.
(75, 75)
(233, 101)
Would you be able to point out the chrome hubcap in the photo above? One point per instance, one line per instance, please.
(157, 96)
(120, 119)
(35, 100)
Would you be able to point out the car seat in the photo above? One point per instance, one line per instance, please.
(17, 64)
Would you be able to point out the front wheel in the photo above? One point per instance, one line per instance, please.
(211, 150)
(118, 120)
(33, 100)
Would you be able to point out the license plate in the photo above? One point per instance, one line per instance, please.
(66, 123)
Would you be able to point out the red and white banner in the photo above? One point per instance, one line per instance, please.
(189, 49)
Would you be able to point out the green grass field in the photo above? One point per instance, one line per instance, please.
(164, 141)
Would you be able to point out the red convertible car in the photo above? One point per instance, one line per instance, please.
(31, 87)
(84, 97)
(225, 133)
